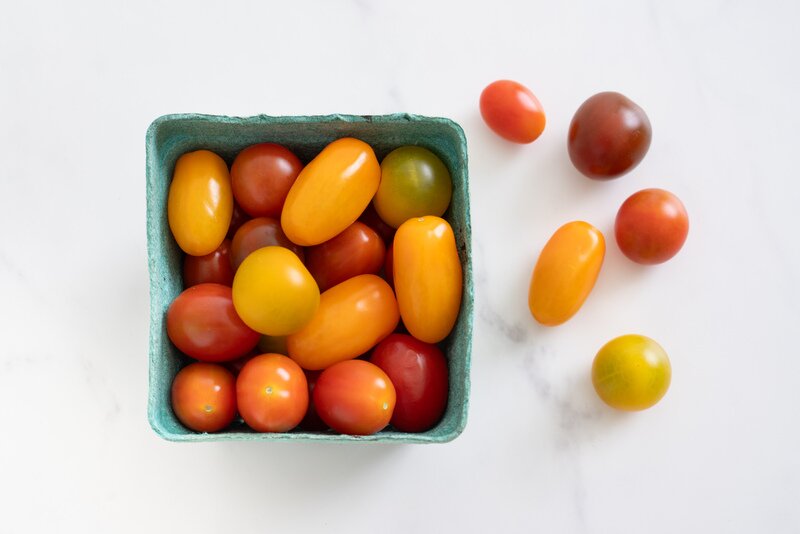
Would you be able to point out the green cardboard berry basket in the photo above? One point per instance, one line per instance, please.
(172, 135)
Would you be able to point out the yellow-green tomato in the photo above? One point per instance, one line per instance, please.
(414, 182)
(631, 372)
(331, 192)
(274, 293)
(200, 202)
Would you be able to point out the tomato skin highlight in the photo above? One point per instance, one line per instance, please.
(261, 176)
(419, 374)
(203, 324)
(565, 272)
(357, 250)
(272, 393)
(331, 192)
(651, 226)
(214, 268)
(355, 397)
(204, 397)
(512, 111)
(427, 277)
(200, 202)
(352, 318)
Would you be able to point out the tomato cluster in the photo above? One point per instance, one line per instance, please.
(301, 282)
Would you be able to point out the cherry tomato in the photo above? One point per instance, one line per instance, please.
(275, 344)
(259, 233)
(213, 268)
(418, 372)
(203, 324)
(274, 293)
(651, 226)
(609, 135)
(331, 192)
(414, 182)
(204, 397)
(512, 111)
(272, 393)
(355, 397)
(261, 176)
(631, 372)
(427, 277)
(200, 202)
(312, 421)
(565, 272)
(238, 218)
(352, 317)
(371, 218)
(357, 250)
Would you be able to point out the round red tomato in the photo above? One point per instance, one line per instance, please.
(203, 324)
(651, 226)
(272, 393)
(261, 176)
(214, 268)
(355, 397)
(418, 372)
(204, 397)
(357, 250)
(609, 135)
(512, 111)
(259, 233)
(312, 421)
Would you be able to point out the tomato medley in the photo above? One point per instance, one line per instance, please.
(294, 274)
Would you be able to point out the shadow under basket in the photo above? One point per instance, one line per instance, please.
(171, 136)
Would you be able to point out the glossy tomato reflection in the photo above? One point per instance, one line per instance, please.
(272, 393)
(204, 397)
(357, 250)
(512, 111)
(651, 226)
(261, 176)
(214, 268)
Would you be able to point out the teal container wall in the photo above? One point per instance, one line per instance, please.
(172, 135)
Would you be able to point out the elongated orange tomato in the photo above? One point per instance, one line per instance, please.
(331, 192)
(351, 319)
(566, 272)
(200, 202)
(427, 277)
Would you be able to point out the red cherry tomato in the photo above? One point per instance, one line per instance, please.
(357, 250)
(204, 397)
(609, 135)
(238, 218)
(214, 268)
(203, 324)
(418, 372)
(371, 218)
(512, 111)
(261, 176)
(272, 393)
(355, 397)
(651, 226)
(312, 421)
(259, 233)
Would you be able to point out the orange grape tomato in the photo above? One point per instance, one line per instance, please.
(566, 272)
(352, 318)
(272, 393)
(200, 202)
(204, 397)
(274, 293)
(427, 277)
(331, 192)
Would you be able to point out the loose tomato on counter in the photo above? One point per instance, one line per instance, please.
(261, 176)
(418, 372)
(204, 397)
(355, 397)
(214, 268)
(331, 192)
(414, 182)
(274, 293)
(203, 324)
(512, 111)
(565, 272)
(259, 233)
(357, 250)
(427, 277)
(200, 203)
(352, 318)
(272, 393)
(651, 226)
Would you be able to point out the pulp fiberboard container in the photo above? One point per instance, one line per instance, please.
(172, 135)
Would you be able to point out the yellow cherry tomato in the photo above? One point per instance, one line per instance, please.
(631, 372)
(352, 318)
(274, 293)
(427, 277)
(331, 192)
(566, 272)
(200, 202)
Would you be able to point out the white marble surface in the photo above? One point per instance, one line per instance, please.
(79, 84)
